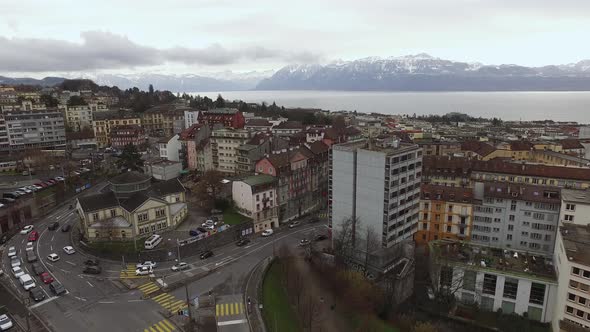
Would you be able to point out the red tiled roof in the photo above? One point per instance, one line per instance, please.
(521, 146)
(568, 144)
(446, 193)
(480, 148)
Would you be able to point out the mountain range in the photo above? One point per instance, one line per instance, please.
(422, 72)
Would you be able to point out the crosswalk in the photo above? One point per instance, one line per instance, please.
(323, 215)
(229, 309)
(169, 302)
(129, 273)
(161, 326)
(148, 288)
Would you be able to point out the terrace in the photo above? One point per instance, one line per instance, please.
(476, 257)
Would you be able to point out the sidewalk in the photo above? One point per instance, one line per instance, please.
(254, 293)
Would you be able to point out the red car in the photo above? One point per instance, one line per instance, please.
(51, 181)
(41, 184)
(46, 278)
(33, 236)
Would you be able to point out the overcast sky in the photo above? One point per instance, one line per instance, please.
(176, 36)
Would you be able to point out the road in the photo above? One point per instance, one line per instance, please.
(101, 303)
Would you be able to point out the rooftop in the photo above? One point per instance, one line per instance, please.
(129, 177)
(471, 256)
(219, 111)
(576, 240)
(98, 201)
(257, 180)
(522, 192)
(446, 193)
(575, 196)
(392, 146)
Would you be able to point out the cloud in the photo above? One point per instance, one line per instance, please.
(104, 50)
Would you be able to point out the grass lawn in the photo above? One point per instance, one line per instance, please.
(277, 309)
(231, 217)
(375, 324)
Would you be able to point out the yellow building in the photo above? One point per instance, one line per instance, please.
(105, 122)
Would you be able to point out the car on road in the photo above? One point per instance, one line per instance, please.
(92, 262)
(242, 242)
(294, 224)
(53, 257)
(27, 282)
(66, 228)
(30, 246)
(92, 270)
(46, 278)
(209, 223)
(14, 261)
(38, 269)
(201, 229)
(37, 294)
(69, 250)
(193, 232)
(31, 257)
(57, 288)
(3, 239)
(144, 271)
(150, 264)
(267, 232)
(321, 237)
(17, 272)
(53, 226)
(206, 254)
(304, 242)
(5, 323)
(210, 227)
(26, 230)
(33, 236)
(11, 251)
(59, 178)
(180, 266)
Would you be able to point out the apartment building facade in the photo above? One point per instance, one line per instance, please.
(81, 116)
(376, 182)
(226, 117)
(37, 129)
(122, 136)
(224, 145)
(256, 198)
(104, 122)
(575, 207)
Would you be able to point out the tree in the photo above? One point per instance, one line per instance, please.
(49, 101)
(263, 108)
(206, 191)
(219, 102)
(338, 122)
(76, 101)
(130, 159)
(151, 90)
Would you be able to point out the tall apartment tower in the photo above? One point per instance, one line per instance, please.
(376, 182)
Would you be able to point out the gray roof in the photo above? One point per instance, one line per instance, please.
(129, 177)
(167, 187)
(135, 201)
(222, 111)
(576, 196)
(98, 201)
(260, 179)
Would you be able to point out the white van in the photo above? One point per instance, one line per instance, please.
(152, 241)
(27, 282)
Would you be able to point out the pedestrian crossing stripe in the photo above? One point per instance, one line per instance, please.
(148, 288)
(129, 273)
(169, 302)
(229, 309)
(323, 215)
(162, 326)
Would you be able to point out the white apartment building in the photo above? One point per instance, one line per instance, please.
(256, 198)
(80, 117)
(224, 144)
(572, 265)
(190, 118)
(41, 129)
(575, 207)
(376, 182)
(170, 148)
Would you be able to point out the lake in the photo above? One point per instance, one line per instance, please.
(558, 106)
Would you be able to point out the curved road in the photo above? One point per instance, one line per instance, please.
(101, 303)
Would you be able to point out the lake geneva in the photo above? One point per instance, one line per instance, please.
(558, 106)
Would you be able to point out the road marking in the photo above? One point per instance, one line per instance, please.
(52, 237)
(232, 322)
(42, 302)
(135, 301)
(106, 302)
(72, 264)
(88, 282)
(246, 247)
(51, 247)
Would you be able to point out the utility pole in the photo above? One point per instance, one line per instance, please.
(188, 306)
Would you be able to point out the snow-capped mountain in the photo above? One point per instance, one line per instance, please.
(422, 72)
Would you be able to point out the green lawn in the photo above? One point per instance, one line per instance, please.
(375, 324)
(231, 217)
(278, 314)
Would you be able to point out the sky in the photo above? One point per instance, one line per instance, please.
(39, 37)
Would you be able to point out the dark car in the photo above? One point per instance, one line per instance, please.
(243, 242)
(92, 270)
(91, 262)
(57, 288)
(3, 239)
(53, 226)
(37, 294)
(38, 269)
(6, 200)
(206, 254)
(321, 237)
(201, 229)
(66, 228)
(193, 232)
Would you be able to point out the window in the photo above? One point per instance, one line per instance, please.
(509, 237)
(511, 217)
(575, 270)
(143, 217)
(535, 313)
(513, 207)
(569, 309)
(510, 227)
(95, 216)
(510, 288)
(570, 207)
(537, 293)
(160, 213)
(467, 298)
(469, 280)
(258, 197)
(508, 307)
(450, 218)
(113, 213)
(581, 300)
(487, 303)
(568, 217)
(489, 284)
(580, 313)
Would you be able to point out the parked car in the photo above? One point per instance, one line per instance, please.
(69, 250)
(201, 229)
(150, 264)
(267, 232)
(57, 288)
(46, 278)
(321, 237)
(38, 269)
(304, 242)
(92, 262)
(11, 251)
(37, 294)
(14, 261)
(242, 242)
(25, 189)
(33, 236)
(294, 224)
(30, 246)
(59, 178)
(66, 228)
(51, 181)
(3, 239)
(53, 257)
(193, 232)
(26, 230)
(92, 270)
(53, 226)
(206, 254)
(31, 257)
(5, 323)
(144, 271)
(17, 272)
(180, 266)
(41, 184)
(6, 200)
